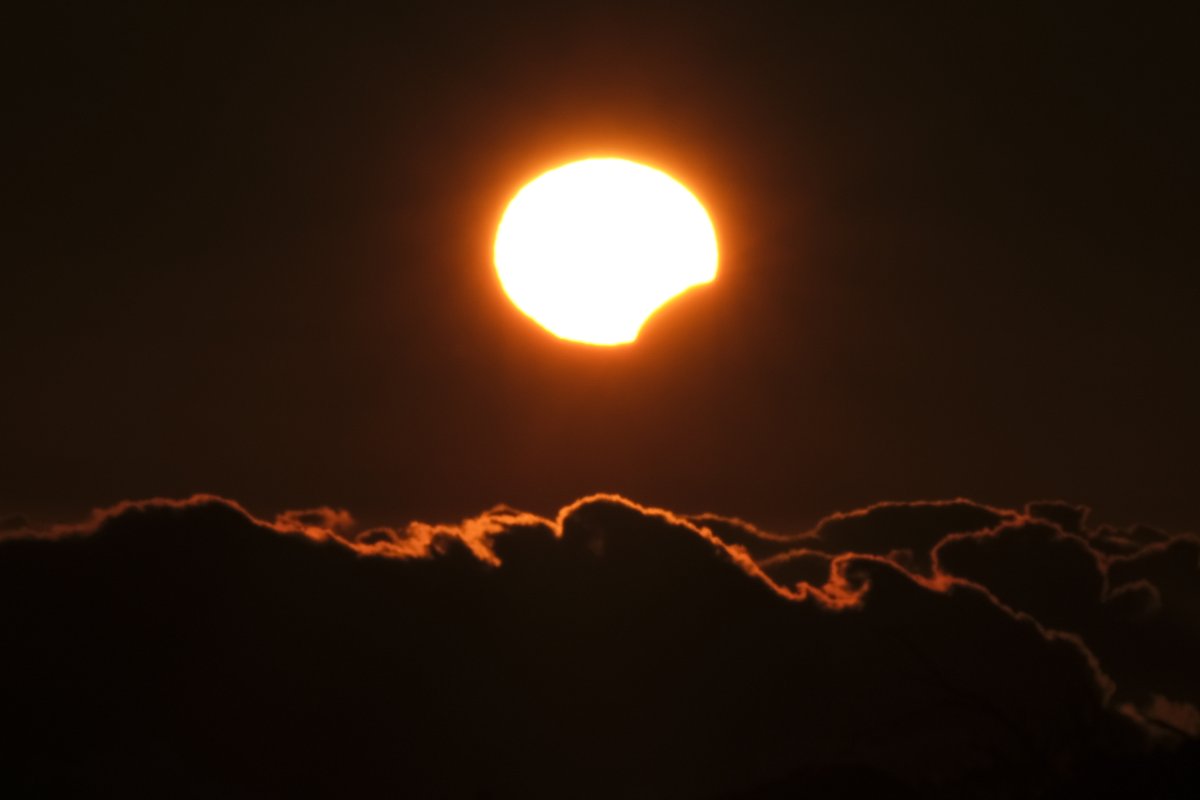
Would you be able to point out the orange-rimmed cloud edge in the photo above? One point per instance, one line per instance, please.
(970, 638)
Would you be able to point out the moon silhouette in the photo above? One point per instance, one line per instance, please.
(592, 249)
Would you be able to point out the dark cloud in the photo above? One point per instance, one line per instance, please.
(1131, 595)
(1163, 647)
(1116, 541)
(1138, 612)
(1035, 567)
(1070, 518)
(188, 648)
(905, 532)
(799, 566)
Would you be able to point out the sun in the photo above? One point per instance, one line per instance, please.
(592, 249)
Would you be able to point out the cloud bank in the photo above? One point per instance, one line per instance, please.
(948, 649)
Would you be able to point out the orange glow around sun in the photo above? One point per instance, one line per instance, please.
(592, 249)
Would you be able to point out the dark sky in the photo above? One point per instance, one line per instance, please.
(247, 251)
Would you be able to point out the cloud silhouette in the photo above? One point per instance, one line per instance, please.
(905, 532)
(189, 648)
(1137, 612)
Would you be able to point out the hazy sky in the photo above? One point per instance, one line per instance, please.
(248, 252)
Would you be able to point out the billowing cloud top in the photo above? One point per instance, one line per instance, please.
(189, 648)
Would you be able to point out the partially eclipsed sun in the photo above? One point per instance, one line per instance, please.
(590, 250)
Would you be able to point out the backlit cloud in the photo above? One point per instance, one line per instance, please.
(614, 649)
